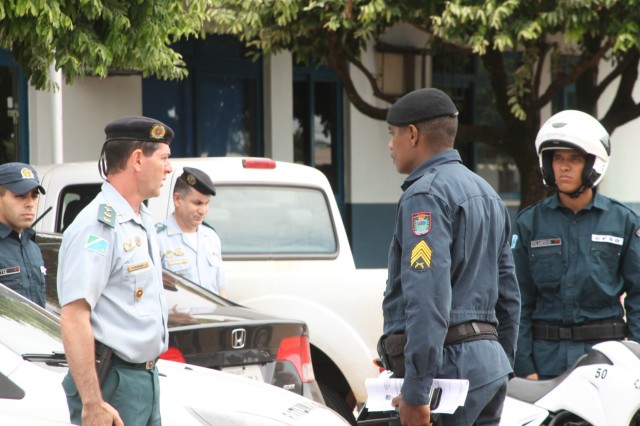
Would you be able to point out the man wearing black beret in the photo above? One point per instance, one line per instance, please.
(186, 246)
(451, 291)
(114, 314)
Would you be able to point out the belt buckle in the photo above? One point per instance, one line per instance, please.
(565, 333)
(149, 365)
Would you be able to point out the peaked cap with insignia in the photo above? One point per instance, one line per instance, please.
(198, 180)
(135, 128)
(20, 178)
(421, 105)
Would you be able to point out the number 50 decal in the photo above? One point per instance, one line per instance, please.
(601, 373)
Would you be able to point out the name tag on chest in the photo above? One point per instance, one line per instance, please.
(607, 239)
(9, 271)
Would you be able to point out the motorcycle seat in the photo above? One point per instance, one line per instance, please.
(532, 390)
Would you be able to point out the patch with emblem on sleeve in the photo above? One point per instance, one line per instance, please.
(546, 243)
(421, 256)
(421, 223)
(97, 244)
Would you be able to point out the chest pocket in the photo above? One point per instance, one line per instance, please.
(604, 261)
(137, 288)
(547, 265)
(179, 265)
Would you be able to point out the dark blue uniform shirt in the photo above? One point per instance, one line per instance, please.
(450, 262)
(21, 264)
(573, 268)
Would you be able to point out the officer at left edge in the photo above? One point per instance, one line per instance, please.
(21, 264)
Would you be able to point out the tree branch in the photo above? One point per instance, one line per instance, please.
(372, 81)
(340, 65)
(559, 83)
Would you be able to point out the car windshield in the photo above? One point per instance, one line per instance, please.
(26, 328)
(272, 220)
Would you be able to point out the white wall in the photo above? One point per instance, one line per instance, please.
(371, 173)
(88, 105)
(623, 173)
(278, 107)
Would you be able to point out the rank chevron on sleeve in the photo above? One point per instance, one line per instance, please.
(421, 256)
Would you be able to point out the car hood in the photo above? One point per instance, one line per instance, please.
(257, 403)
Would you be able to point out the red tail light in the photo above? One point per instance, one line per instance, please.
(173, 354)
(258, 163)
(297, 351)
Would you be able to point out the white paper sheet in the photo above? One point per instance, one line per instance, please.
(381, 390)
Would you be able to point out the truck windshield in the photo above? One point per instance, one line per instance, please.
(272, 220)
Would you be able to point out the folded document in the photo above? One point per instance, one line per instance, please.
(383, 389)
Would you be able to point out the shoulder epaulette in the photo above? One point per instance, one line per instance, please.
(160, 227)
(106, 215)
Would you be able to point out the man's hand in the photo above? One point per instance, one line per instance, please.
(410, 414)
(100, 414)
(532, 376)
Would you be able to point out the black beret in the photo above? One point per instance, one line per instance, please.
(143, 129)
(421, 105)
(198, 180)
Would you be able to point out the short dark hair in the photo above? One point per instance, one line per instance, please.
(441, 131)
(181, 187)
(115, 154)
(3, 190)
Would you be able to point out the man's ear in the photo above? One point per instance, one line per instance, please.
(414, 134)
(136, 159)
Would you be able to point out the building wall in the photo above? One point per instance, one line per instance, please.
(623, 171)
(88, 105)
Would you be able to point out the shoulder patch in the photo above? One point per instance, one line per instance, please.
(106, 215)
(160, 227)
(421, 256)
(421, 223)
(97, 244)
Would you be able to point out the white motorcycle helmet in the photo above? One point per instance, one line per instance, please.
(577, 130)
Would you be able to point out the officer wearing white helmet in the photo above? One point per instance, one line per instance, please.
(576, 253)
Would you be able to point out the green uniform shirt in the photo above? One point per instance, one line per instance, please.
(21, 264)
(573, 268)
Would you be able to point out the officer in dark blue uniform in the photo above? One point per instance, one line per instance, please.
(21, 264)
(576, 253)
(451, 288)
(114, 314)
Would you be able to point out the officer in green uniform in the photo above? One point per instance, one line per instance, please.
(576, 253)
(452, 287)
(110, 283)
(21, 264)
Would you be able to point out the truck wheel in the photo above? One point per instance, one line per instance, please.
(334, 401)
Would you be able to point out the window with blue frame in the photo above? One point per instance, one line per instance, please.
(465, 80)
(14, 142)
(216, 110)
(318, 123)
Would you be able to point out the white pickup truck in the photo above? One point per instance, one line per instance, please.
(285, 252)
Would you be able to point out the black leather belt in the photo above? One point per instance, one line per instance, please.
(141, 365)
(468, 331)
(602, 330)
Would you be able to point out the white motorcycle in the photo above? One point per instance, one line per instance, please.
(602, 388)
